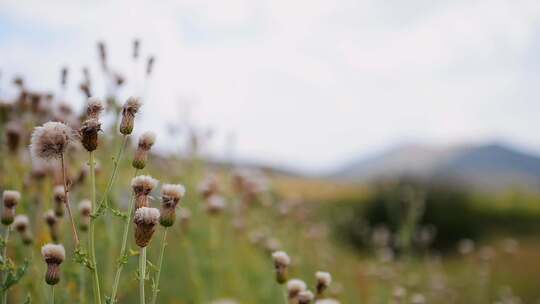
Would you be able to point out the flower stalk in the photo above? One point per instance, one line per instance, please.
(91, 237)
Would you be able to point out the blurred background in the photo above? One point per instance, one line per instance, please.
(410, 128)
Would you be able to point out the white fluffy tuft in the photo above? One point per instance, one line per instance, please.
(145, 215)
(281, 258)
(323, 278)
(53, 251)
(296, 285)
(176, 191)
(144, 181)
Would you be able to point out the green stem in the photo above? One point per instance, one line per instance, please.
(142, 274)
(4, 255)
(160, 262)
(66, 202)
(285, 295)
(52, 294)
(122, 259)
(114, 172)
(82, 286)
(91, 239)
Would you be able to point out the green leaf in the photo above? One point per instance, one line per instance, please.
(13, 277)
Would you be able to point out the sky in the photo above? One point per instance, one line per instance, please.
(306, 84)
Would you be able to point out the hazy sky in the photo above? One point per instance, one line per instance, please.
(308, 84)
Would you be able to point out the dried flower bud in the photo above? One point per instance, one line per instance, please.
(215, 204)
(89, 134)
(281, 264)
(53, 255)
(323, 281)
(50, 140)
(52, 223)
(145, 220)
(130, 108)
(146, 141)
(10, 199)
(170, 197)
(150, 65)
(59, 200)
(142, 186)
(295, 287)
(21, 224)
(305, 297)
(85, 208)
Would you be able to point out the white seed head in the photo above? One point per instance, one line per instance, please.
(281, 258)
(294, 286)
(85, 206)
(53, 251)
(215, 203)
(132, 105)
(305, 296)
(50, 140)
(323, 278)
(145, 215)
(21, 222)
(144, 182)
(94, 107)
(58, 190)
(147, 140)
(173, 191)
(11, 198)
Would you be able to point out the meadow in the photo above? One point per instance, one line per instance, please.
(91, 215)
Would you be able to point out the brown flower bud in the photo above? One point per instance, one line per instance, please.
(21, 224)
(142, 186)
(53, 255)
(130, 108)
(89, 134)
(10, 200)
(170, 197)
(281, 265)
(146, 141)
(145, 220)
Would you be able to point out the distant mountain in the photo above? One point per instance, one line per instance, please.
(482, 166)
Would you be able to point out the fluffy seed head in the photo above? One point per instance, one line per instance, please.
(281, 258)
(294, 287)
(143, 184)
(50, 140)
(323, 281)
(305, 297)
(173, 192)
(170, 197)
(146, 216)
(11, 198)
(94, 108)
(85, 207)
(21, 222)
(50, 218)
(147, 140)
(53, 253)
(215, 204)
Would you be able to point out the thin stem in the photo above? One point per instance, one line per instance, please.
(52, 294)
(91, 239)
(285, 295)
(160, 262)
(122, 258)
(66, 202)
(114, 172)
(142, 274)
(82, 285)
(4, 255)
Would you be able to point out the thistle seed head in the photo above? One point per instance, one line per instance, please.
(305, 297)
(281, 265)
(323, 281)
(21, 222)
(170, 197)
(94, 108)
(11, 198)
(295, 287)
(147, 140)
(145, 220)
(215, 204)
(53, 255)
(50, 140)
(85, 208)
(89, 133)
(130, 108)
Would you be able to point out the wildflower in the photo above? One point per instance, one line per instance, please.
(146, 141)
(59, 199)
(10, 199)
(281, 264)
(170, 197)
(305, 297)
(53, 255)
(130, 108)
(295, 287)
(145, 220)
(85, 208)
(215, 204)
(21, 224)
(142, 186)
(52, 223)
(323, 281)
(50, 140)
